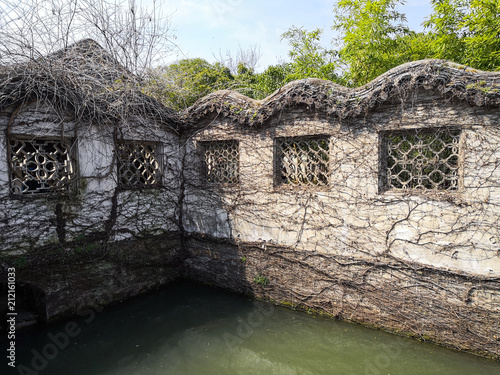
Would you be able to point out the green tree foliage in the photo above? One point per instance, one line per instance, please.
(245, 81)
(180, 84)
(466, 31)
(308, 58)
(273, 78)
(374, 38)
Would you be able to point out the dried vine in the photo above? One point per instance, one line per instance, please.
(341, 241)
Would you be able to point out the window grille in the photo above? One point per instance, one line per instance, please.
(138, 164)
(303, 161)
(40, 166)
(418, 159)
(221, 162)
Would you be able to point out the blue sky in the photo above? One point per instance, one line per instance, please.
(208, 28)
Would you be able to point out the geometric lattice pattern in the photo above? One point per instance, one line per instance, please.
(40, 166)
(423, 159)
(138, 164)
(221, 162)
(303, 161)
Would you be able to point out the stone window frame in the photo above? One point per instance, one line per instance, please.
(139, 182)
(233, 166)
(449, 167)
(42, 164)
(282, 182)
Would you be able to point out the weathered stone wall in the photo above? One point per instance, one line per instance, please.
(425, 263)
(97, 242)
(454, 230)
(452, 309)
(96, 206)
(420, 262)
(60, 284)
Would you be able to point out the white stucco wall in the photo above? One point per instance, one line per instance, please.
(29, 222)
(456, 230)
(352, 216)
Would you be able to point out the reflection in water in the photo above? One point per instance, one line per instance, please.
(193, 329)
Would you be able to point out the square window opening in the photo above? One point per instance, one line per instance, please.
(303, 161)
(221, 161)
(40, 166)
(138, 164)
(421, 159)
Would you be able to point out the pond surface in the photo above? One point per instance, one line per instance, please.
(192, 329)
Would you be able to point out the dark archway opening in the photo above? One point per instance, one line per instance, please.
(29, 305)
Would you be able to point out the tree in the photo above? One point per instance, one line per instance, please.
(374, 38)
(274, 77)
(247, 57)
(179, 85)
(308, 58)
(137, 37)
(466, 31)
(246, 81)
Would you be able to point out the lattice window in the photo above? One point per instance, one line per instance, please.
(303, 161)
(422, 159)
(138, 164)
(40, 166)
(221, 162)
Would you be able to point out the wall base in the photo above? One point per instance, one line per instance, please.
(54, 283)
(458, 311)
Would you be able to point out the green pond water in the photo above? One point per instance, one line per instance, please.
(192, 329)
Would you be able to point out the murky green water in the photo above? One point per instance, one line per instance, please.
(191, 329)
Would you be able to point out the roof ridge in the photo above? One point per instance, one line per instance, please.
(459, 81)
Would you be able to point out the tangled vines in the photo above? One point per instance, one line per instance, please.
(420, 261)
